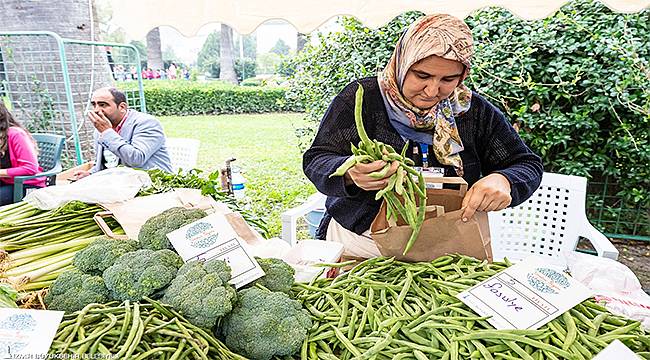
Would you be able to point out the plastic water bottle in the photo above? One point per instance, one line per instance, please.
(238, 183)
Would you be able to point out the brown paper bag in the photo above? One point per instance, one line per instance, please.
(443, 232)
(132, 214)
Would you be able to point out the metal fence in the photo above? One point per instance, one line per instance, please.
(47, 81)
(614, 215)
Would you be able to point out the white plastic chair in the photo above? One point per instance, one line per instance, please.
(315, 202)
(548, 224)
(183, 153)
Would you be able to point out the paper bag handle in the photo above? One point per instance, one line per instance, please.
(99, 219)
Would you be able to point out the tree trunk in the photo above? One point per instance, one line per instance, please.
(33, 72)
(154, 50)
(301, 41)
(227, 64)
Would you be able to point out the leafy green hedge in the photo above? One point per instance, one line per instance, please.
(576, 83)
(192, 98)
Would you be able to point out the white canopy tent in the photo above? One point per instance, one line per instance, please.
(137, 18)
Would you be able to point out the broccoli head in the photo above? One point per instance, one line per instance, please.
(201, 293)
(264, 324)
(279, 276)
(102, 253)
(73, 290)
(153, 233)
(141, 273)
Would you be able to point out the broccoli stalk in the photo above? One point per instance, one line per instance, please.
(201, 293)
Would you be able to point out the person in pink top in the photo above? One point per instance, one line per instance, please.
(17, 156)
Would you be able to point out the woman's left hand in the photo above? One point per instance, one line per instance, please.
(490, 193)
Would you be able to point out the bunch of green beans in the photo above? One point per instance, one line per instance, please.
(136, 331)
(404, 197)
(385, 309)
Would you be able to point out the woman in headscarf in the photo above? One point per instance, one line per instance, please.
(419, 97)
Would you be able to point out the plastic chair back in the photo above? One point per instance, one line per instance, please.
(183, 153)
(547, 224)
(50, 147)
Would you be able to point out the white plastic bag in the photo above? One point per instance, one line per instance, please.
(613, 283)
(107, 186)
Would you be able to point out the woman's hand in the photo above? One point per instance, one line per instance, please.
(490, 193)
(359, 175)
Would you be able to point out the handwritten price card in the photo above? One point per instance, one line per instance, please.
(525, 296)
(27, 334)
(214, 237)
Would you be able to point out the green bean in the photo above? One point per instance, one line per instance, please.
(399, 181)
(391, 185)
(346, 342)
(344, 311)
(417, 302)
(345, 166)
(132, 332)
(517, 349)
(597, 322)
(375, 349)
(501, 335)
(571, 332)
(380, 174)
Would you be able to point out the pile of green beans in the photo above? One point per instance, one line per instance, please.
(386, 309)
(404, 197)
(135, 331)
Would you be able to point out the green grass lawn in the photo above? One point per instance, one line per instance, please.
(265, 148)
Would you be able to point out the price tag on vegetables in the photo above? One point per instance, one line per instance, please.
(525, 296)
(616, 351)
(214, 237)
(27, 334)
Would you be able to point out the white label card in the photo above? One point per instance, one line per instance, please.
(616, 351)
(525, 296)
(213, 237)
(27, 334)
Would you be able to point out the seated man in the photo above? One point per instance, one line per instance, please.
(124, 136)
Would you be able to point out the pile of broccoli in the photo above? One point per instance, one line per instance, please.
(259, 322)
(73, 290)
(201, 293)
(264, 324)
(102, 253)
(153, 234)
(141, 273)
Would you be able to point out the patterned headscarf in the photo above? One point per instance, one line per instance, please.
(449, 38)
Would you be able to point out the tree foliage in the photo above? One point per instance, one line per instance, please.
(209, 55)
(280, 48)
(577, 84)
(208, 59)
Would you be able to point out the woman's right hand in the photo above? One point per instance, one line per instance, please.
(359, 175)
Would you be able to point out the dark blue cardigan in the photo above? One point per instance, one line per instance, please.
(491, 146)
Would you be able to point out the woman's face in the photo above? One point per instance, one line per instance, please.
(430, 80)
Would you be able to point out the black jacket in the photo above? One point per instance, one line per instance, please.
(491, 146)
